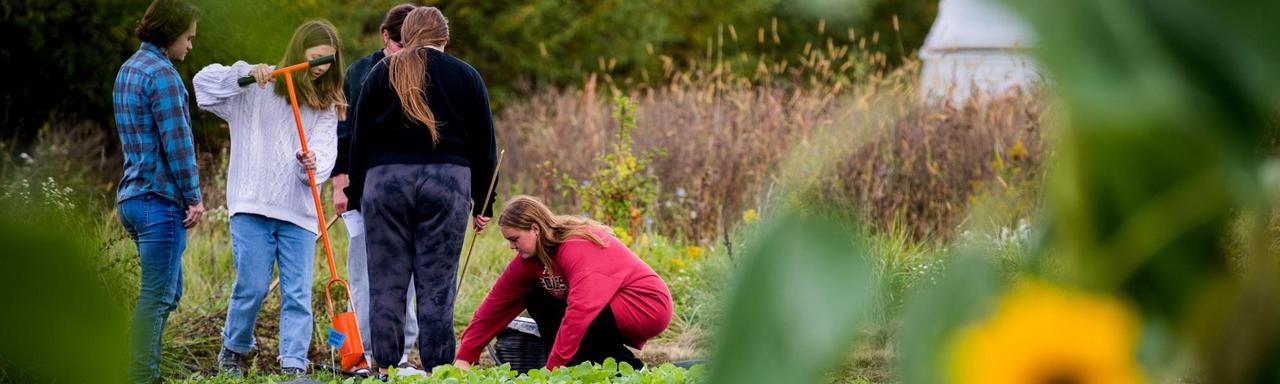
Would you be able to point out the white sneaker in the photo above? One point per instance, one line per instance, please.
(406, 369)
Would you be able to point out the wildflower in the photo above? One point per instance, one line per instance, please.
(694, 251)
(24, 190)
(749, 215)
(1046, 334)
(54, 196)
(677, 263)
(1017, 151)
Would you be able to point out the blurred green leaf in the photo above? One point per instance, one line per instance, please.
(934, 313)
(802, 293)
(57, 321)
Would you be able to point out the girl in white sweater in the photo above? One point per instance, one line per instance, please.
(273, 216)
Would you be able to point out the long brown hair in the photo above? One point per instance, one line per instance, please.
(326, 90)
(424, 26)
(522, 212)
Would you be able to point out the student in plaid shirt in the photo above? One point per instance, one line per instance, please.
(159, 195)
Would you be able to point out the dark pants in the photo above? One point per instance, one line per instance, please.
(416, 217)
(155, 225)
(602, 340)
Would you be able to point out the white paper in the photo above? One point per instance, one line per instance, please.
(355, 223)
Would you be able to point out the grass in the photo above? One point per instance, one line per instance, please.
(194, 337)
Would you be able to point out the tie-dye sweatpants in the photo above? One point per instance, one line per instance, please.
(416, 217)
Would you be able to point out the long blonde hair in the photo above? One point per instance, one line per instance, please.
(522, 212)
(423, 27)
(326, 90)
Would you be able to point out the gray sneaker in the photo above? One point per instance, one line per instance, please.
(293, 372)
(231, 363)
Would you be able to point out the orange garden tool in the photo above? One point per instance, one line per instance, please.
(345, 333)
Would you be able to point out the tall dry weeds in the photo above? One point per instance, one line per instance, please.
(725, 134)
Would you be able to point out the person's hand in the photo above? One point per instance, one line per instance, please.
(339, 197)
(308, 161)
(480, 222)
(462, 364)
(261, 73)
(194, 213)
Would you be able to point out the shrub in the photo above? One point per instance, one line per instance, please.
(622, 190)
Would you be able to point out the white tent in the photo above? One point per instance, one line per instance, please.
(976, 48)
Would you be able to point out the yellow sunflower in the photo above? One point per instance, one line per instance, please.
(1043, 334)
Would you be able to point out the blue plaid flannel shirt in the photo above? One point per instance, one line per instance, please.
(155, 129)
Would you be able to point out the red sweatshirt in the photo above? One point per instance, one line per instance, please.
(596, 277)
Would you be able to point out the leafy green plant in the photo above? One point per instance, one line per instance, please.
(608, 372)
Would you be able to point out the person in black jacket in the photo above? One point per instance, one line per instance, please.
(357, 261)
(423, 151)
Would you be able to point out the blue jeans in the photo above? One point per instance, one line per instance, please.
(258, 243)
(155, 225)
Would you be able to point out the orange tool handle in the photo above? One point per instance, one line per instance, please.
(311, 175)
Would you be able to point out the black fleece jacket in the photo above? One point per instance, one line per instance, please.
(456, 94)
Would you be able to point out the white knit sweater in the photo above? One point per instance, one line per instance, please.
(265, 178)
